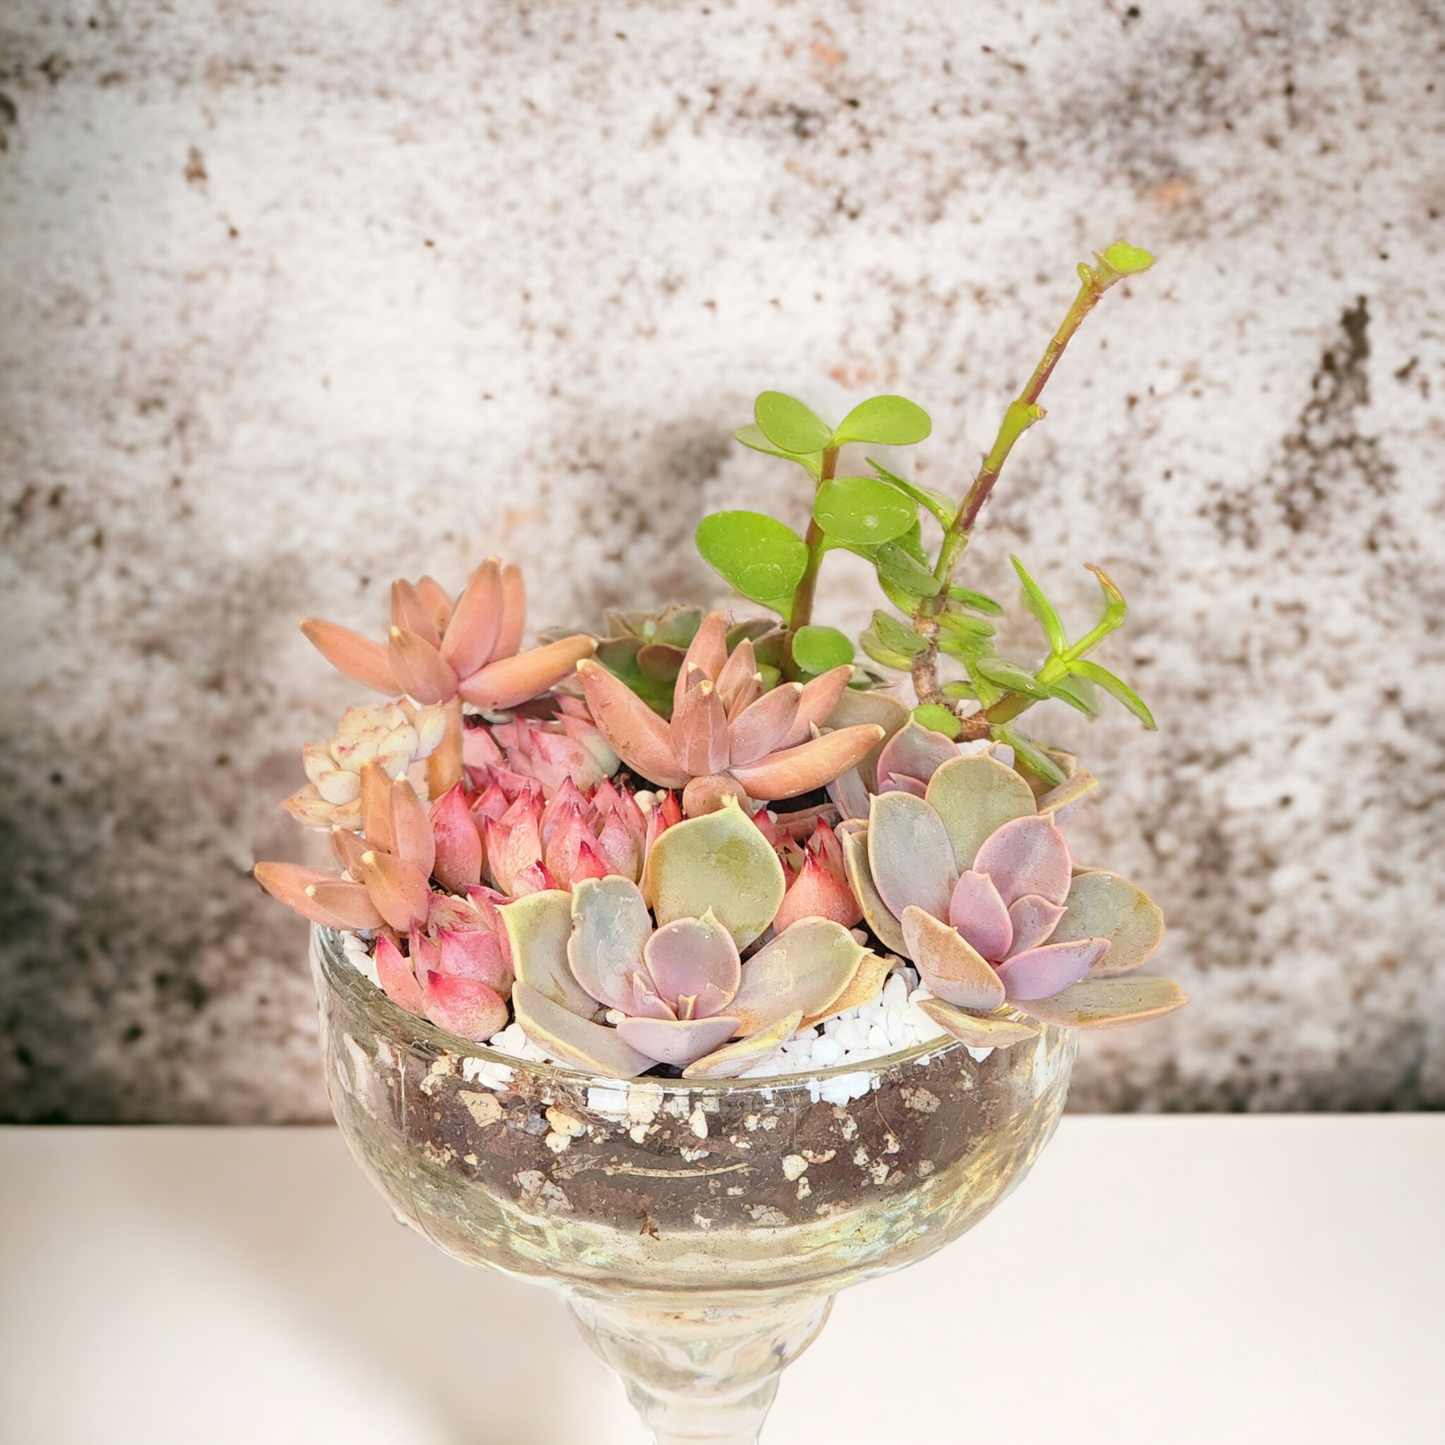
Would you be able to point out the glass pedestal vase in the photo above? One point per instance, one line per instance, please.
(698, 1230)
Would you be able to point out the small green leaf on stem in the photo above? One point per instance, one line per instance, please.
(1078, 692)
(788, 424)
(862, 511)
(975, 601)
(1115, 608)
(959, 690)
(1042, 608)
(754, 437)
(896, 637)
(1019, 417)
(886, 421)
(937, 719)
(882, 654)
(896, 565)
(817, 649)
(939, 503)
(1010, 675)
(1117, 688)
(1122, 259)
(955, 624)
(759, 557)
(1028, 752)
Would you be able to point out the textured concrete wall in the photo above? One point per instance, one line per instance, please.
(299, 298)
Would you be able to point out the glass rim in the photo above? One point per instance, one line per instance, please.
(338, 966)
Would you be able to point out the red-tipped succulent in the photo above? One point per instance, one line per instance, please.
(727, 736)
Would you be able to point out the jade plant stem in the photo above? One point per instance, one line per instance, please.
(1021, 414)
(802, 610)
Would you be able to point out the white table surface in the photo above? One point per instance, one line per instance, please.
(1160, 1280)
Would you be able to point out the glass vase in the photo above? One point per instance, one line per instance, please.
(698, 1231)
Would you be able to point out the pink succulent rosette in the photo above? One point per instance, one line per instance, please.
(970, 877)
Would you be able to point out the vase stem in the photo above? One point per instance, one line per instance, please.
(701, 1373)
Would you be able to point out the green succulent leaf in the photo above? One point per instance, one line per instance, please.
(1010, 675)
(959, 690)
(1078, 692)
(759, 557)
(1115, 608)
(862, 511)
(883, 655)
(1117, 688)
(1030, 754)
(1123, 260)
(939, 503)
(955, 624)
(1042, 608)
(937, 719)
(887, 421)
(817, 649)
(753, 436)
(895, 636)
(897, 565)
(975, 601)
(790, 425)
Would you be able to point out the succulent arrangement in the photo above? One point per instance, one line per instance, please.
(679, 845)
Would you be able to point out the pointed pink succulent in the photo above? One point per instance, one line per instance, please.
(550, 751)
(817, 884)
(727, 736)
(438, 650)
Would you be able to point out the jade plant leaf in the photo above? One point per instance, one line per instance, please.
(817, 649)
(1036, 759)
(1008, 674)
(1104, 905)
(759, 557)
(538, 928)
(975, 796)
(1078, 692)
(936, 718)
(863, 511)
(789, 425)
(719, 861)
(803, 969)
(887, 421)
(897, 565)
(753, 436)
(975, 601)
(1102, 1002)
(1116, 688)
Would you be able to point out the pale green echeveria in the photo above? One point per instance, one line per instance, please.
(607, 983)
(975, 883)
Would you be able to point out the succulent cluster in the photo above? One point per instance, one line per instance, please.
(579, 838)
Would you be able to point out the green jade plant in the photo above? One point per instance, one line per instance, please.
(878, 518)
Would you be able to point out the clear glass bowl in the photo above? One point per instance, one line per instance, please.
(698, 1230)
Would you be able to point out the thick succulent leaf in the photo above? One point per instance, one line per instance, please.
(935, 717)
(734, 1059)
(514, 613)
(358, 657)
(863, 511)
(412, 837)
(863, 988)
(761, 727)
(1102, 1002)
(610, 925)
(803, 970)
(349, 902)
(948, 965)
(909, 855)
(915, 752)
(1104, 905)
(700, 730)
(789, 424)
(1034, 920)
(677, 1041)
(1042, 608)
(753, 436)
(855, 707)
(980, 915)
(978, 1031)
(634, 732)
(398, 981)
(761, 558)
(818, 892)
(422, 671)
(1116, 688)
(694, 957)
(975, 796)
(849, 795)
(810, 765)
(1027, 855)
(400, 890)
(293, 885)
(876, 913)
(708, 650)
(1044, 971)
(518, 678)
(816, 701)
(817, 649)
(738, 676)
(538, 928)
(476, 622)
(376, 807)
(720, 862)
(466, 1007)
(575, 1041)
(1062, 800)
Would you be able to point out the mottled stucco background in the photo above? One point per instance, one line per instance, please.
(295, 299)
